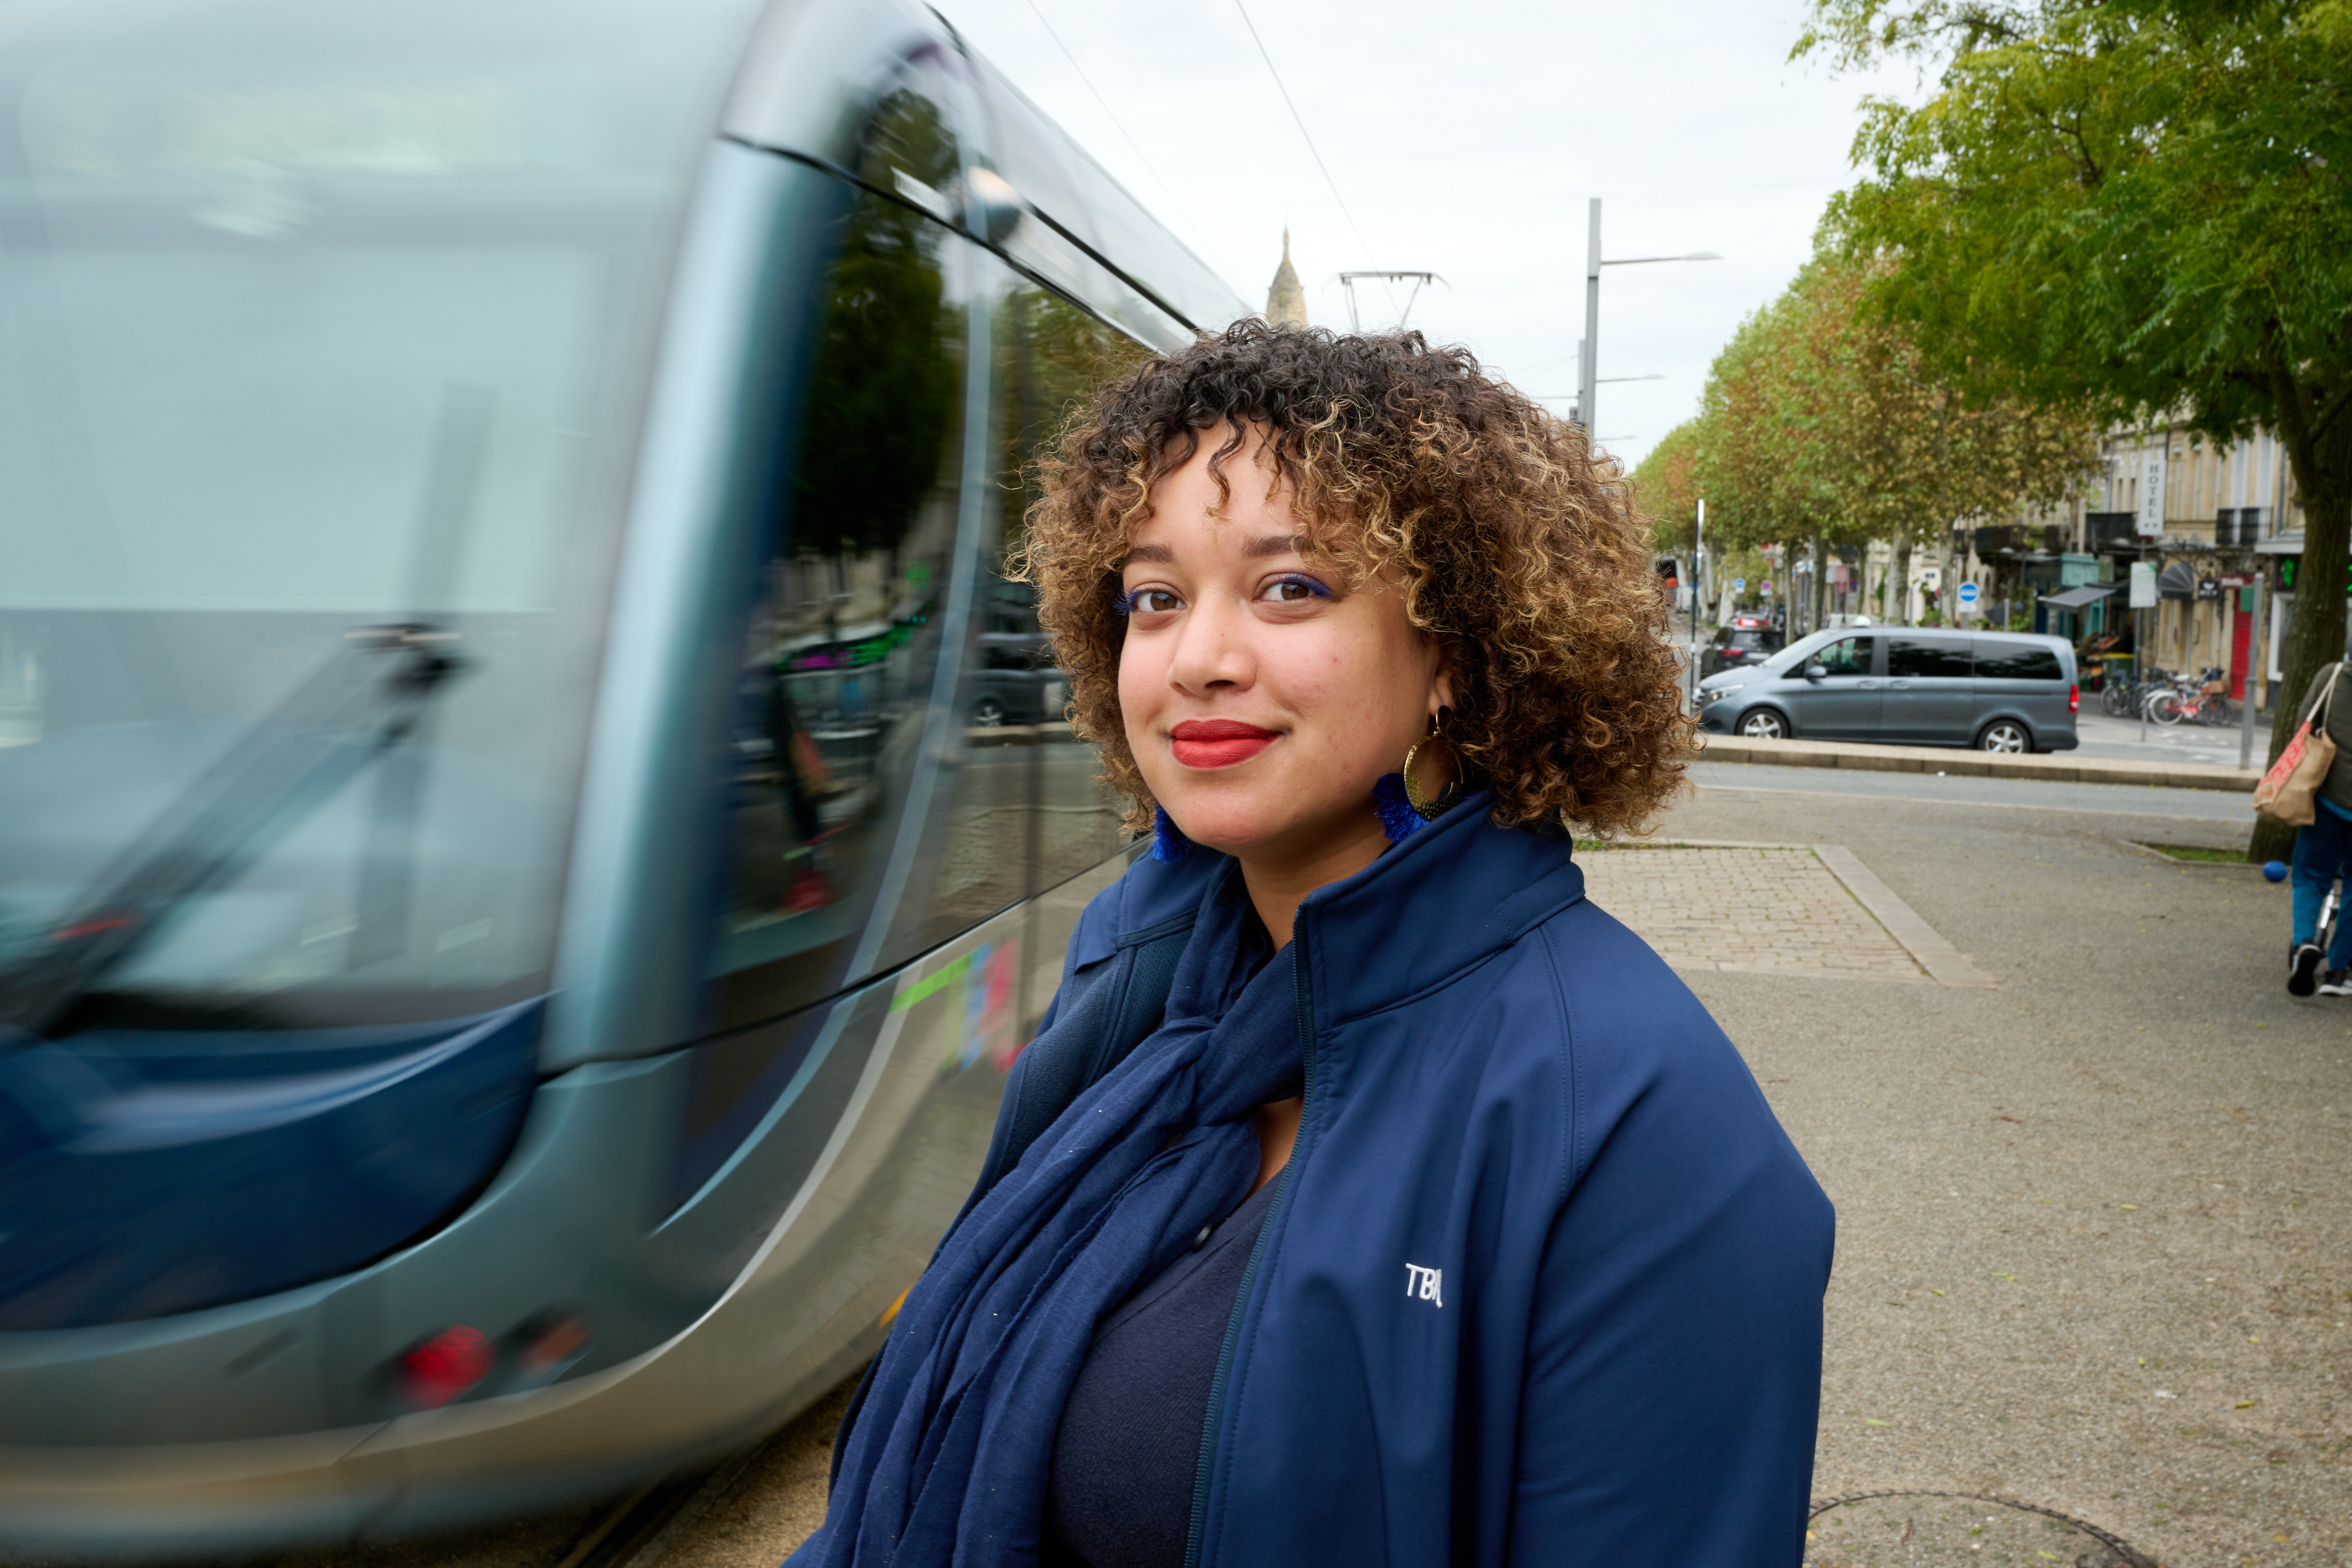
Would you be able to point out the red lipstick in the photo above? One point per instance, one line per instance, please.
(1218, 742)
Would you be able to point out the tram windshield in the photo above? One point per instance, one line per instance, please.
(316, 321)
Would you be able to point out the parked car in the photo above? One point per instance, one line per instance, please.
(1997, 691)
(1744, 640)
(1018, 681)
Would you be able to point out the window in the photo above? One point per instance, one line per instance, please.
(844, 638)
(1748, 642)
(2017, 661)
(1921, 658)
(875, 810)
(1847, 656)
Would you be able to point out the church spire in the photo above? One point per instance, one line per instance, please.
(1285, 300)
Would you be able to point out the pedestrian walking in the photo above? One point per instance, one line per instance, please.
(2323, 844)
(1369, 1197)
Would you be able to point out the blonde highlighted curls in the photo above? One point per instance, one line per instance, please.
(1510, 541)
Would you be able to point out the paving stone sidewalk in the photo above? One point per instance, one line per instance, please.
(1757, 911)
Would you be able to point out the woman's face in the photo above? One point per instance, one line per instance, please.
(1263, 698)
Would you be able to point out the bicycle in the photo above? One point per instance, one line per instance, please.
(2212, 705)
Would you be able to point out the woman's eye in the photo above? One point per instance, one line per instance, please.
(1148, 601)
(1294, 591)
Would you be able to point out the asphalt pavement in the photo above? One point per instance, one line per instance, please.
(2093, 1223)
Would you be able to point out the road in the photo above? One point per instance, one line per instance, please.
(2093, 1216)
(2093, 1222)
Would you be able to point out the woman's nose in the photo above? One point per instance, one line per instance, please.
(1211, 648)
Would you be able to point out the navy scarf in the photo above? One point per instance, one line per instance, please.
(947, 1461)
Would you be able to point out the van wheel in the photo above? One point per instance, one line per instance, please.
(2004, 736)
(1764, 725)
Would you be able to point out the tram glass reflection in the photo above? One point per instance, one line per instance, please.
(846, 644)
(313, 320)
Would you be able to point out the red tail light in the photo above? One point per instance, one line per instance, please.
(2073, 700)
(445, 1366)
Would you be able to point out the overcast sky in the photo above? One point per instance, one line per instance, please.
(1466, 140)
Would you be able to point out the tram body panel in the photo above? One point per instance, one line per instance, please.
(808, 916)
(801, 1313)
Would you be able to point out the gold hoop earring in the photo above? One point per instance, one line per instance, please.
(1431, 810)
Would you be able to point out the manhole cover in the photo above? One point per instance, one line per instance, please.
(1876, 1530)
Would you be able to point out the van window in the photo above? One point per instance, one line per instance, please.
(1847, 656)
(1918, 659)
(2017, 661)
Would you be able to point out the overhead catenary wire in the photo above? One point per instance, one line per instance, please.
(1200, 236)
(1309, 137)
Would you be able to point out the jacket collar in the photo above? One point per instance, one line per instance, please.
(1452, 894)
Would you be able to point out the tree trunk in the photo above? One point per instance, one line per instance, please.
(1900, 601)
(2322, 478)
(1818, 590)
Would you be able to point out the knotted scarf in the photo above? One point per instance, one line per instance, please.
(947, 1460)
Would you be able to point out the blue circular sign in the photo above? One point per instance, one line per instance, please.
(1967, 593)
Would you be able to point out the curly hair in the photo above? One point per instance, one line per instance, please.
(1509, 540)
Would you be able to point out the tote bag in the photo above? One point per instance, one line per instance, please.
(2289, 792)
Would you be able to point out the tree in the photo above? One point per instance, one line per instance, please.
(1665, 488)
(1820, 422)
(2136, 205)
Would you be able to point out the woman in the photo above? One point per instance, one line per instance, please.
(2322, 847)
(1435, 1221)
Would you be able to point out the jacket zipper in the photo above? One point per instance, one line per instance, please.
(1206, 1465)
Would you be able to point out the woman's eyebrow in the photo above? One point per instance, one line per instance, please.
(1158, 554)
(1268, 544)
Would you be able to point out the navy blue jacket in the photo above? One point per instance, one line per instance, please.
(1543, 1282)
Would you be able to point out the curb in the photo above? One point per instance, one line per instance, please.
(1962, 764)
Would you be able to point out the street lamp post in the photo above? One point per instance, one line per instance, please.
(1589, 377)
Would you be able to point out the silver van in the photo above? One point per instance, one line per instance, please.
(1997, 691)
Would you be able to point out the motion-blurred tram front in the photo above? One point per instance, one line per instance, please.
(532, 821)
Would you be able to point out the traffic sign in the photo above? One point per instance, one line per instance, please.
(1739, 584)
(1968, 592)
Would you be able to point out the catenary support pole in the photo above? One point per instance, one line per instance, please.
(1588, 378)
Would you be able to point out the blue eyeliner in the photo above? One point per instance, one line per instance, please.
(1122, 604)
(1309, 583)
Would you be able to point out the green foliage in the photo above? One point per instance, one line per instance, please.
(883, 391)
(1665, 488)
(1053, 355)
(2136, 205)
(1821, 417)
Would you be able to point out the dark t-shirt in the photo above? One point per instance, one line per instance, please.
(1120, 1492)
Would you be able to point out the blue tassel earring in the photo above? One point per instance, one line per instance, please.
(1167, 840)
(1398, 817)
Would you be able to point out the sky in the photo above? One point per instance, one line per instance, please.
(1466, 140)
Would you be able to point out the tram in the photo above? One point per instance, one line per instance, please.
(532, 823)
